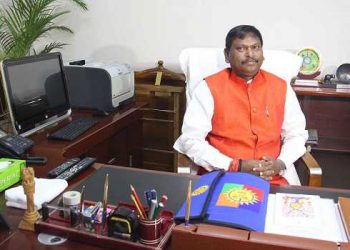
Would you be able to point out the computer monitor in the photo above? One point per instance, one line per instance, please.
(35, 91)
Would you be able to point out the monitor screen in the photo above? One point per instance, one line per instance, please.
(36, 91)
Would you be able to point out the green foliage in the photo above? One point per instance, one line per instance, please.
(24, 22)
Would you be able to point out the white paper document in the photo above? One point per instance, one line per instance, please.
(307, 216)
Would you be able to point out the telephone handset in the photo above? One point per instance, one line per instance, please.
(13, 146)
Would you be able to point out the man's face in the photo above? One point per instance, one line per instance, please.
(245, 56)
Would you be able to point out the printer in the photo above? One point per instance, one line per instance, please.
(99, 86)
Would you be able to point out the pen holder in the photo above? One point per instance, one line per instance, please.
(150, 231)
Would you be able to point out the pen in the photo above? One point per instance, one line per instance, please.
(82, 195)
(148, 197)
(152, 209)
(188, 203)
(164, 199)
(158, 209)
(154, 195)
(105, 201)
(137, 199)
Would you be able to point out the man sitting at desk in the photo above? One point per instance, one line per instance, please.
(244, 118)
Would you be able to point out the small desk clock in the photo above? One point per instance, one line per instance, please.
(311, 63)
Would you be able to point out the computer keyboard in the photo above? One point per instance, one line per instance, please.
(74, 128)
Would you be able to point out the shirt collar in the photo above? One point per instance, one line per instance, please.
(236, 78)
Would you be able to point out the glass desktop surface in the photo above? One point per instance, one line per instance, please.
(172, 185)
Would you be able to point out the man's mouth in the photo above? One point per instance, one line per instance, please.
(250, 61)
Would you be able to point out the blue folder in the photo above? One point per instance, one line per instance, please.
(229, 198)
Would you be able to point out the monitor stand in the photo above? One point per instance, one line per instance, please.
(47, 123)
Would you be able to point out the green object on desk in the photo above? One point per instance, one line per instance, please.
(10, 172)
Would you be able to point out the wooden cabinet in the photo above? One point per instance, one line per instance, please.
(123, 145)
(162, 121)
(115, 139)
(328, 111)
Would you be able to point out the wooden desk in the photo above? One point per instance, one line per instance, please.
(328, 111)
(115, 139)
(18, 239)
(211, 237)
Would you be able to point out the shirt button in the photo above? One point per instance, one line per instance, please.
(254, 110)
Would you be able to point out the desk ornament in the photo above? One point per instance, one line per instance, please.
(158, 74)
(343, 73)
(31, 215)
(311, 63)
(341, 80)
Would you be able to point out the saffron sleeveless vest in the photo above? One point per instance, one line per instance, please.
(247, 118)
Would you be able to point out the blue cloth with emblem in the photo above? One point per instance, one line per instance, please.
(229, 198)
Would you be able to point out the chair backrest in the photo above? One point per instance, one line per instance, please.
(197, 63)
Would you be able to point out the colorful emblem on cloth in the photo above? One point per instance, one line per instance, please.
(240, 196)
(200, 190)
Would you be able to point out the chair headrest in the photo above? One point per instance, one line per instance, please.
(197, 63)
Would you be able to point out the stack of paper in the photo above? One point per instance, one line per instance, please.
(306, 216)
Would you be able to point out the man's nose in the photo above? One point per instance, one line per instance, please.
(249, 52)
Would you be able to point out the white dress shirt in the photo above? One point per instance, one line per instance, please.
(197, 125)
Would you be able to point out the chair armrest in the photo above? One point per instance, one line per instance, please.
(183, 160)
(186, 165)
(309, 171)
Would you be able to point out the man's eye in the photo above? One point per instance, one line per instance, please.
(240, 49)
(256, 47)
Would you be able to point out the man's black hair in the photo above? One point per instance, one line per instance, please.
(241, 32)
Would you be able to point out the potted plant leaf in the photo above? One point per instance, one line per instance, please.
(24, 22)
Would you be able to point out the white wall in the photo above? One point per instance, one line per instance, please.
(141, 32)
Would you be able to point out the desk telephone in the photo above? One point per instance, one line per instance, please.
(13, 146)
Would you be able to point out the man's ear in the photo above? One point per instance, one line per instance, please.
(226, 53)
